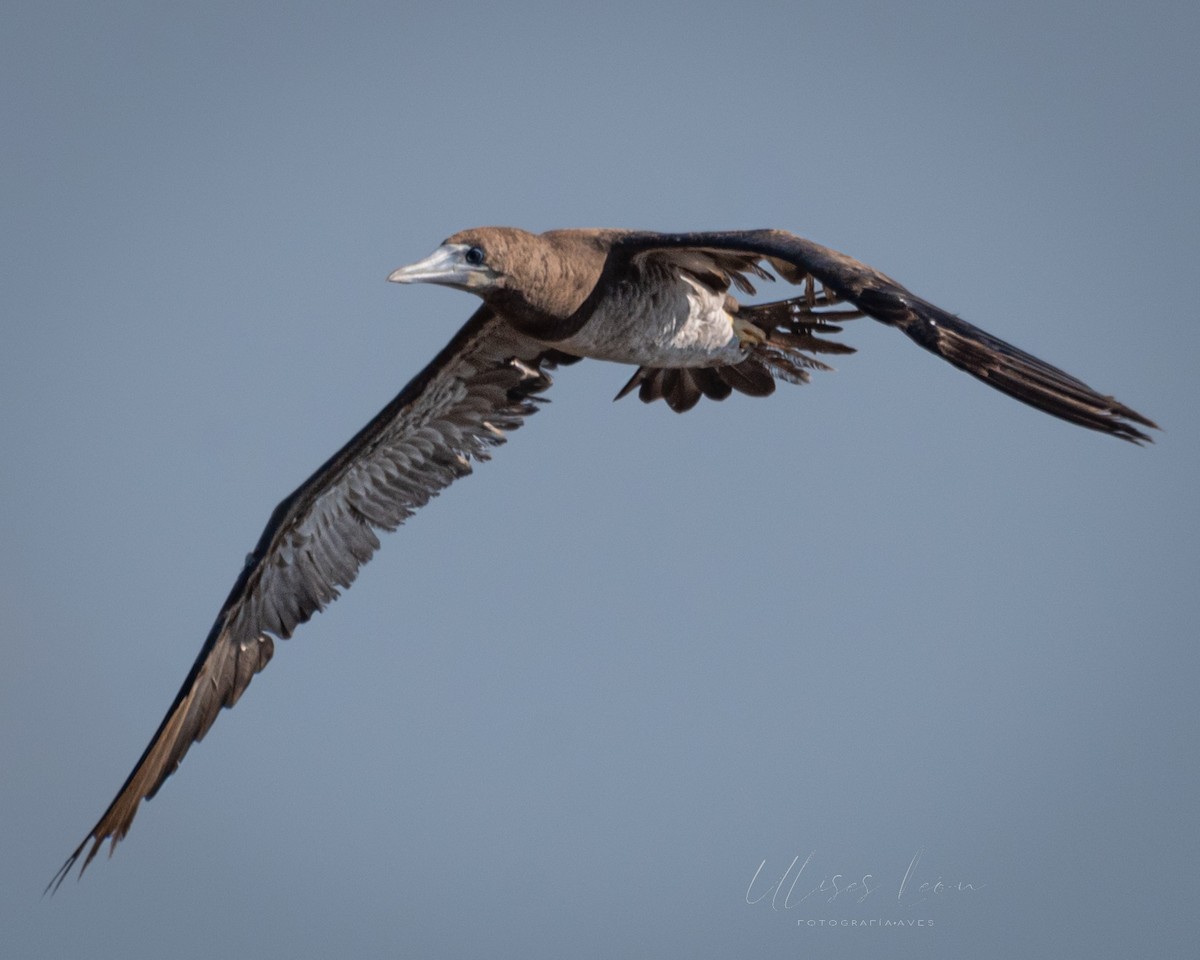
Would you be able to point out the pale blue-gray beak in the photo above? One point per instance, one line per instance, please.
(446, 265)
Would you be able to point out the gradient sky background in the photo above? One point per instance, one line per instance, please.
(574, 704)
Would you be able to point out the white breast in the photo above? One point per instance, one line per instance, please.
(671, 322)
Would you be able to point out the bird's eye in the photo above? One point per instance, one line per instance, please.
(474, 256)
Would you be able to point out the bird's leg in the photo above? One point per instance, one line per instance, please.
(748, 334)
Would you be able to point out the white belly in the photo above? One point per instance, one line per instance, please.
(677, 324)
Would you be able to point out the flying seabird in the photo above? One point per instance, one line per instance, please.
(658, 301)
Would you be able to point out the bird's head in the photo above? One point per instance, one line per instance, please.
(479, 261)
(530, 277)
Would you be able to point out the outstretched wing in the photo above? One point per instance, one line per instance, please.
(996, 363)
(485, 382)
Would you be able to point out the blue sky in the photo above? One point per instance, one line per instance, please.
(577, 702)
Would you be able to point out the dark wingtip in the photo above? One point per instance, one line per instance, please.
(57, 880)
(1133, 434)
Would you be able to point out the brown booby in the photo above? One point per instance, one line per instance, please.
(658, 301)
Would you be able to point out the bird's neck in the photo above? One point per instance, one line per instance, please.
(558, 288)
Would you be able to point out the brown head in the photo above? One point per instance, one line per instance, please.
(535, 280)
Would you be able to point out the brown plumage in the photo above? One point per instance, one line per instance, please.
(661, 302)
